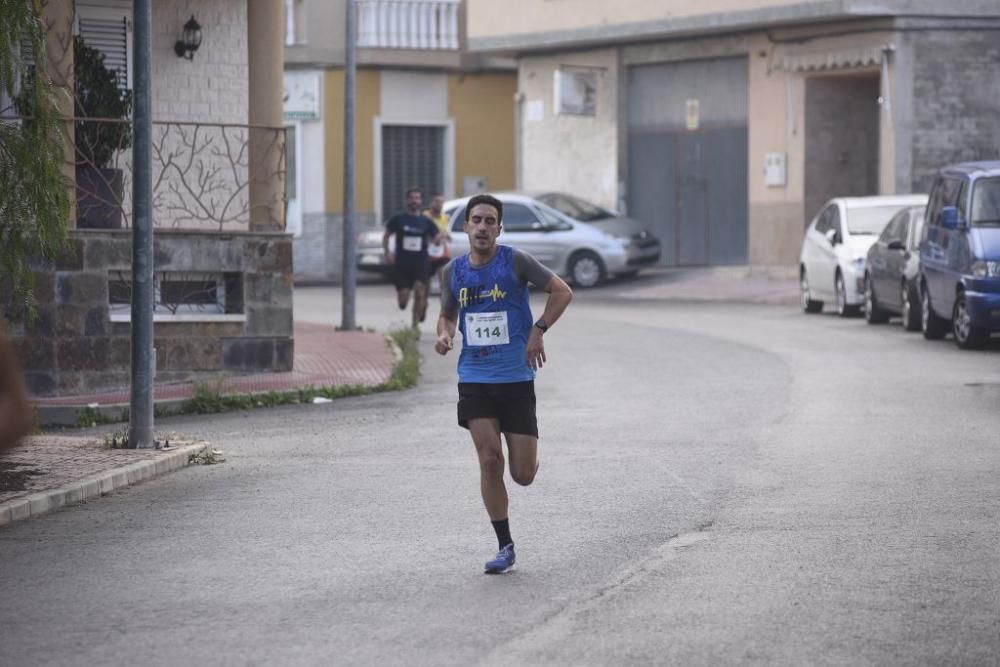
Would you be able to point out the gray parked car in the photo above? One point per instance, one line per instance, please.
(586, 254)
(608, 221)
(892, 271)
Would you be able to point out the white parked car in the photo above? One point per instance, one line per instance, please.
(575, 250)
(836, 243)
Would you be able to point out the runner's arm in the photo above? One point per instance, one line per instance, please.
(448, 319)
(390, 231)
(433, 232)
(529, 269)
(15, 412)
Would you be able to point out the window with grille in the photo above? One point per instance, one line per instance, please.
(412, 156)
(178, 293)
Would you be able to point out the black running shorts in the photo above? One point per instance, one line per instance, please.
(512, 403)
(404, 276)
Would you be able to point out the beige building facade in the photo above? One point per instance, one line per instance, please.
(725, 124)
(425, 110)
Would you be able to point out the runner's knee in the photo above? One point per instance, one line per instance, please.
(524, 477)
(491, 463)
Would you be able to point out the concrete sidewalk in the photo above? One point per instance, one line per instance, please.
(324, 357)
(50, 471)
(770, 285)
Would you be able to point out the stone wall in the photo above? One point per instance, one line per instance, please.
(956, 88)
(74, 346)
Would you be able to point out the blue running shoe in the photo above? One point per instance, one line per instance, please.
(502, 562)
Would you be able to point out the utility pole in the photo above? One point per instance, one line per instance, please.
(141, 404)
(350, 276)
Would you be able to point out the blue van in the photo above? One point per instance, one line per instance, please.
(960, 255)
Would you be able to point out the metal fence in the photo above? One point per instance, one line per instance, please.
(202, 174)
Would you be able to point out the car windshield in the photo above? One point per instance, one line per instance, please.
(986, 202)
(870, 219)
(574, 207)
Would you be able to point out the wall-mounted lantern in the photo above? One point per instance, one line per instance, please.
(185, 48)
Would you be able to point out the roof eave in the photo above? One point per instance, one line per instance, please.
(728, 22)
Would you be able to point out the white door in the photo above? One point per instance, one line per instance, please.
(822, 256)
(293, 178)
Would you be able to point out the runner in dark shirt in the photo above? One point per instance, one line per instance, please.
(411, 266)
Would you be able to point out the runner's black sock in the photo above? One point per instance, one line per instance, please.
(502, 529)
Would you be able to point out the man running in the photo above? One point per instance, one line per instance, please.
(410, 265)
(485, 295)
(439, 253)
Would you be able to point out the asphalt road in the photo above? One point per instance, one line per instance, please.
(719, 484)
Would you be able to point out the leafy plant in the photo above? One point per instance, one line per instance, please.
(99, 97)
(34, 193)
(117, 440)
(206, 457)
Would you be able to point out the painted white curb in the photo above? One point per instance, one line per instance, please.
(95, 486)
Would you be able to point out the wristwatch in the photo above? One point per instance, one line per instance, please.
(541, 324)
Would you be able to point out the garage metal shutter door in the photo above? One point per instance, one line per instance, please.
(412, 156)
(687, 158)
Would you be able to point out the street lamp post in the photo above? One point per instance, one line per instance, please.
(350, 278)
(141, 403)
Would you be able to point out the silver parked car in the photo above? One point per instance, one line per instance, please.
(643, 240)
(576, 250)
(835, 247)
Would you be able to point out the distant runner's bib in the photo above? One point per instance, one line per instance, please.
(413, 243)
(435, 250)
(487, 328)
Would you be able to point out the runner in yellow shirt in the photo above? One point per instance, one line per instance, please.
(439, 253)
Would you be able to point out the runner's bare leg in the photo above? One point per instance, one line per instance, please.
(486, 437)
(523, 452)
(419, 302)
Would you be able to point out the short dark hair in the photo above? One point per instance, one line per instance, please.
(489, 200)
(413, 189)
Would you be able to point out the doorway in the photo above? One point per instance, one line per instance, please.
(841, 138)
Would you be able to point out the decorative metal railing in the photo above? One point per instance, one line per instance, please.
(203, 174)
(408, 24)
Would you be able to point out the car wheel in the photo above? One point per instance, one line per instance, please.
(843, 309)
(934, 327)
(967, 335)
(873, 314)
(911, 313)
(809, 305)
(586, 269)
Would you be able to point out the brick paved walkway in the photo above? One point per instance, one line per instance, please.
(323, 357)
(51, 461)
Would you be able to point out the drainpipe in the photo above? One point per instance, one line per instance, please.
(518, 152)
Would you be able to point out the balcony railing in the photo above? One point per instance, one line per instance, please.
(408, 24)
(202, 173)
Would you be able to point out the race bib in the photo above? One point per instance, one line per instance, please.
(486, 328)
(413, 243)
(435, 250)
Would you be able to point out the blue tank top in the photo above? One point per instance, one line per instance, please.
(494, 317)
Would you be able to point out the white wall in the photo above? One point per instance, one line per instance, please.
(213, 86)
(413, 96)
(574, 154)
